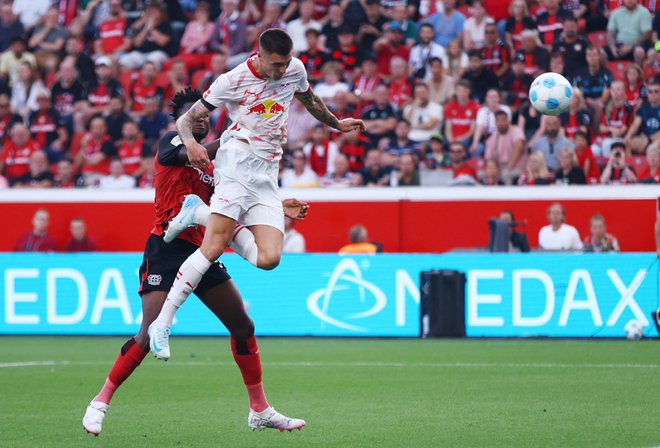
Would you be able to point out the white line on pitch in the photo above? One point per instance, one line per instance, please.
(486, 365)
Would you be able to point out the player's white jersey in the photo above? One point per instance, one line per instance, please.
(258, 107)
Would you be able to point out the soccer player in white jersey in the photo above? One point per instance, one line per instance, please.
(258, 95)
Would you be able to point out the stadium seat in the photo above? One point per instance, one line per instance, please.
(618, 69)
(127, 77)
(598, 38)
(639, 163)
(197, 78)
(76, 140)
(163, 80)
(466, 10)
(476, 163)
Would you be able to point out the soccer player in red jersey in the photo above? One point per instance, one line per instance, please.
(175, 178)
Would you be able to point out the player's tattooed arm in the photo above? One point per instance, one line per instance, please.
(317, 108)
(211, 149)
(197, 154)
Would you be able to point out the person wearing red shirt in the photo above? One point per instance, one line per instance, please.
(495, 54)
(16, 153)
(586, 158)
(461, 115)
(615, 124)
(536, 57)
(346, 52)
(314, 57)
(401, 86)
(47, 127)
(111, 39)
(364, 85)
(79, 241)
(519, 20)
(461, 170)
(131, 149)
(389, 46)
(635, 88)
(7, 119)
(144, 87)
(93, 156)
(101, 89)
(516, 85)
(550, 22)
(651, 173)
(355, 147)
(37, 239)
(65, 177)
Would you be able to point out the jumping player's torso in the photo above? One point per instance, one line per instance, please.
(258, 107)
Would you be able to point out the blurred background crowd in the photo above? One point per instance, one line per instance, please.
(441, 84)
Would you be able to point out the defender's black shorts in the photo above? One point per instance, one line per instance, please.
(162, 261)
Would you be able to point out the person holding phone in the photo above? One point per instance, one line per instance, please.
(617, 171)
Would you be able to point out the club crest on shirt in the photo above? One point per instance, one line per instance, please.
(267, 109)
(176, 141)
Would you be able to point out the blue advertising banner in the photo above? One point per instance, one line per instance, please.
(507, 295)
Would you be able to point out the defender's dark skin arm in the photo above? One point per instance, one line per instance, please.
(211, 149)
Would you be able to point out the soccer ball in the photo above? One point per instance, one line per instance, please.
(634, 330)
(551, 94)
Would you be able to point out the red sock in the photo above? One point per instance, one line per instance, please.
(129, 358)
(246, 355)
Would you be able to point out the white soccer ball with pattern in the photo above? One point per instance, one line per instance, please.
(634, 330)
(551, 94)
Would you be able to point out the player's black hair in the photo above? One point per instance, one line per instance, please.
(276, 41)
(183, 97)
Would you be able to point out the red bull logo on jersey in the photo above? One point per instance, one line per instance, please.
(267, 109)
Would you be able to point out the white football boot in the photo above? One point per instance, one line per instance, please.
(184, 219)
(93, 418)
(159, 340)
(270, 418)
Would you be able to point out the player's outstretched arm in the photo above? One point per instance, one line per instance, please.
(319, 110)
(295, 209)
(211, 149)
(197, 154)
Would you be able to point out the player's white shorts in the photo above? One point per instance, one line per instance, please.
(246, 186)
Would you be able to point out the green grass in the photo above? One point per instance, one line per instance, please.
(353, 393)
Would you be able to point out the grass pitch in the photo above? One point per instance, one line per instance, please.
(353, 393)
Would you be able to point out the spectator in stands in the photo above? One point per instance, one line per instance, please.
(462, 172)
(178, 78)
(38, 176)
(341, 176)
(154, 122)
(86, 68)
(519, 20)
(573, 46)
(457, 61)
(617, 171)
(11, 59)
(294, 242)
(578, 117)
(491, 175)
(629, 31)
(402, 144)
(117, 179)
(647, 120)
(436, 157)
(116, 118)
(371, 28)
(332, 82)
(424, 116)
(144, 87)
(16, 153)
(448, 25)
(47, 40)
(301, 175)
(359, 242)
(635, 88)
(389, 46)
(422, 54)
(151, 38)
(321, 151)
(536, 172)
(507, 146)
(80, 241)
(340, 107)
(486, 123)
(398, 12)
(354, 145)
(374, 174)
(558, 235)
(101, 89)
(474, 28)
(347, 53)
(330, 30)
(551, 142)
(569, 171)
(586, 159)
(441, 86)
(379, 118)
(131, 150)
(535, 55)
(218, 66)
(7, 119)
(37, 239)
(300, 126)
(30, 12)
(615, 121)
(550, 22)
(148, 173)
(495, 54)
(516, 85)
(314, 58)
(65, 176)
(10, 27)
(24, 91)
(407, 175)
(461, 115)
(271, 18)
(111, 39)
(364, 86)
(68, 97)
(196, 39)
(651, 173)
(93, 156)
(47, 128)
(481, 79)
(594, 81)
(297, 27)
(600, 240)
(517, 240)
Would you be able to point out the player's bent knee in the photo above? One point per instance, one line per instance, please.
(244, 331)
(269, 259)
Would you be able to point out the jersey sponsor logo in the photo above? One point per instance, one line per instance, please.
(267, 109)
(203, 177)
(154, 279)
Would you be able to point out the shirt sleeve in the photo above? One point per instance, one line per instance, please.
(302, 85)
(646, 22)
(219, 93)
(168, 150)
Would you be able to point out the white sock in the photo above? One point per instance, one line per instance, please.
(202, 215)
(189, 276)
(244, 244)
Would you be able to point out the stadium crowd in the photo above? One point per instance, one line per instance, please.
(442, 88)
